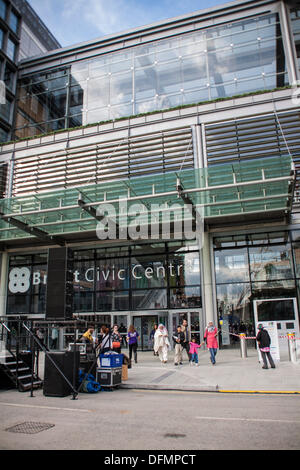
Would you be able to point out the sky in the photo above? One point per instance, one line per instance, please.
(75, 21)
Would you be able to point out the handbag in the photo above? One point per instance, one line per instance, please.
(116, 344)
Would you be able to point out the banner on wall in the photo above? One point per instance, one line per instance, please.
(271, 328)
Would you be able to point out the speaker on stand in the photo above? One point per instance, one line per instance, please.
(59, 293)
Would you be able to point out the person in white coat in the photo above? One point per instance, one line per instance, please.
(161, 343)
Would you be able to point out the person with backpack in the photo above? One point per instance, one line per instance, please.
(264, 341)
(105, 342)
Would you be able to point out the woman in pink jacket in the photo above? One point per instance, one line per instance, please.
(210, 337)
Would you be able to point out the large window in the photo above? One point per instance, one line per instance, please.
(1, 38)
(27, 284)
(223, 61)
(14, 22)
(11, 49)
(2, 9)
(140, 277)
(295, 18)
(256, 266)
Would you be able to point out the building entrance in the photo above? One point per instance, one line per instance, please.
(144, 325)
(194, 319)
(284, 313)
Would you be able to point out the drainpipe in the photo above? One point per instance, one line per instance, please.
(3, 283)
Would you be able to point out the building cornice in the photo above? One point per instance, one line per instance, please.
(136, 36)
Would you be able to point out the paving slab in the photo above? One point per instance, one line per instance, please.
(231, 373)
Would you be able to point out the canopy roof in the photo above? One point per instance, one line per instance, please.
(256, 188)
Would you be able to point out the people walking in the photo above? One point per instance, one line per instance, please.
(264, 341)
(187, 337)
(151, 337)
(210, 336)
(123, 333)
(105, 342)
(161, 343)
(178, 339)
(116, 339)
(194, 346)
(132, 338)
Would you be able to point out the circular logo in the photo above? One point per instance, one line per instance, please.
(19, 280)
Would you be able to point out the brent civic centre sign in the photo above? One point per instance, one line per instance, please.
(21, 278)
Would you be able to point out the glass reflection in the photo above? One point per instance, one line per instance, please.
(231, 265)
(234, 312)
(112, 301)
(270, 262)
(149, 299)
(219, 62)
(273, 289)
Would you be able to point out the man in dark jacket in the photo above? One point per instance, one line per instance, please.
(263, 339)
(187, 337)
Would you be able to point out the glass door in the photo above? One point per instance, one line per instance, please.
(144, 325)
(282, 311)
(196, 330)
(194, 319)
(177, 319)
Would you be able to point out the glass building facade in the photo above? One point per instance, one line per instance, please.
(193, 60)
(228, 60)
(252, 267)
(135, 278)
(295, 20)
(17, 19)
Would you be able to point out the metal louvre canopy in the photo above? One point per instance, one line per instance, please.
(223, 192)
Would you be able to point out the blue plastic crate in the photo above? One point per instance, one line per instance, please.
(111, 360)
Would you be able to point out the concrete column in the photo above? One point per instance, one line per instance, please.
(207, 280)
(3, 283)
(170, 328)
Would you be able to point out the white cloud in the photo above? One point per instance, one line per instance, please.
(115, 15)
(75, 21)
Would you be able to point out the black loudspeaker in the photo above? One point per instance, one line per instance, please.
(54, 384)
(59, 293)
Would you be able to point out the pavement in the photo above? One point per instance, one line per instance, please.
(232, 373)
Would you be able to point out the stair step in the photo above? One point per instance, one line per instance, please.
(21, 377)
(12, 363)
(36, 383)
(20, 369)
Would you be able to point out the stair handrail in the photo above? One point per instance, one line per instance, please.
(43, 347)
(14, 356)
(6, 327)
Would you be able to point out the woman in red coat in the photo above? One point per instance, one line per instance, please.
(210, 337)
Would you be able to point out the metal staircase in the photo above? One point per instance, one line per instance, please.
(18, 372)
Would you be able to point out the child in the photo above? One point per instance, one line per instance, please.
(194, 351)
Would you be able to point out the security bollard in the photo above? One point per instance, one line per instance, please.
(292, 347)
(243, 345)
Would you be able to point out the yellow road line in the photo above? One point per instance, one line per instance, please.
(278, 392)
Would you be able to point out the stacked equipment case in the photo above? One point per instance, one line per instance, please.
(109, 374)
